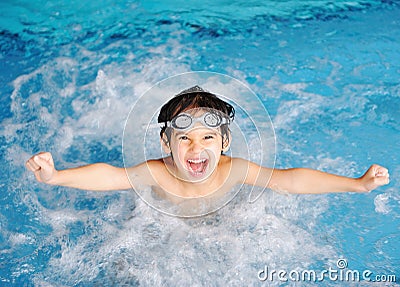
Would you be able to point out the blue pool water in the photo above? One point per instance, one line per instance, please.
(327, 71)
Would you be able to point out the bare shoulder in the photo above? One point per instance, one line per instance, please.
(246, 164)
(251, 173)
(152, 164)
(159, 165)
(234, 168)
(240, 163)
(145, 172)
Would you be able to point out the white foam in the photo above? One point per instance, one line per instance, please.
(229, 247)
(381, 203)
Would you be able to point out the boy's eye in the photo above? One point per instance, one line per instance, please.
(208, 137)
(183, 138)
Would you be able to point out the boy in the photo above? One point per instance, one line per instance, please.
(195, 133)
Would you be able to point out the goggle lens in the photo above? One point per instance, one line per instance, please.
(212, 120)
(182, 121)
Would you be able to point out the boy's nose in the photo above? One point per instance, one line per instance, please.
(196, 147)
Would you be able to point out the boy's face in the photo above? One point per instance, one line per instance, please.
(196, 151)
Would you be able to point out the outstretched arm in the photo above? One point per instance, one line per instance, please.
(97, 177)
(309, 181)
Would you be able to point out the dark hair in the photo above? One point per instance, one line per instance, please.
(192, 98)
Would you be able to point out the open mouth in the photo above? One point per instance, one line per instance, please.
(197, 167)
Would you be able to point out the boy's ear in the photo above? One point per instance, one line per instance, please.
(165, 144)
(226, 143)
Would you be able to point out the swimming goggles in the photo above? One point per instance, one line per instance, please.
(185, 121)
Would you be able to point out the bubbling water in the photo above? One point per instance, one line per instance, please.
(150, 248)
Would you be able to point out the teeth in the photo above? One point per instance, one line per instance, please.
(196, 160)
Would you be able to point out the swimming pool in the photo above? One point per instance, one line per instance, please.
(328, 73)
